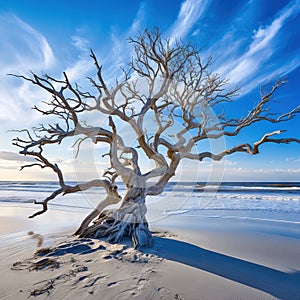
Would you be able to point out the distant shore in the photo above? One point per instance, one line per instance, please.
(194, 258)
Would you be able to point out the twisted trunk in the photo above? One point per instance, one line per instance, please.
(128, 220)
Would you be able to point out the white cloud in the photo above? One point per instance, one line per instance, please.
(80, 69)
(10, 163)
(266, 174)
(12, 156)
(83, 65)
(270, 74)
(138, 20)
(292, 159)
(22, 48)
(247, 68)
(190, 12)
(43, 45)
(121, 51)
(80, 43)
(196, 32)
(260, 49)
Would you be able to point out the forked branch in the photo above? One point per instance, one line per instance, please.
(111, 190)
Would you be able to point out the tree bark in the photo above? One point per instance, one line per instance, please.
(129, 220)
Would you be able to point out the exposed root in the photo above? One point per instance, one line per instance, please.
(127, 221)
(43, 251)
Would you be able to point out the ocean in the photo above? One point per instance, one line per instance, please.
(277, 201)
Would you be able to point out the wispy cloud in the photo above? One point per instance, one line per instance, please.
(36, 52)
(121, 51)
(190, 12)
(80, 69)
(247, 174)
(292, 159)
(80, 43)
(82, 65)
(22, 48)
(138, 20)
(248, 68)
(42, 44)
(12, 156)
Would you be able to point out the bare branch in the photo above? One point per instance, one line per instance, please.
(246, 148)
(67, 189)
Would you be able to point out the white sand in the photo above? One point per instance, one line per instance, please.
(199, 258)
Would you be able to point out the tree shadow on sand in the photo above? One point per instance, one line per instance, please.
(276, 283)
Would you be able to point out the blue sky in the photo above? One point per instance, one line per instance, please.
(251, 42)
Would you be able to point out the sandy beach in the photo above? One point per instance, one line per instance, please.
(191, 258)
(150, 150)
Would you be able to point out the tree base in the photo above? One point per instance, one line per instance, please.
(127, 221)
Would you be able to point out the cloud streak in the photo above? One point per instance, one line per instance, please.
(190, 12)
(248, 68)
(42, 46)
(14, 157)
(121, 51)
(82, 66)
(22, 48)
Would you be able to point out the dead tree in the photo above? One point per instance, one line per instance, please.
(177, 85)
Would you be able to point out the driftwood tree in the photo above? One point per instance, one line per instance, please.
(177, 86)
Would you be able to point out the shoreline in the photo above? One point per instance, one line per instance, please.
(191, 258)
